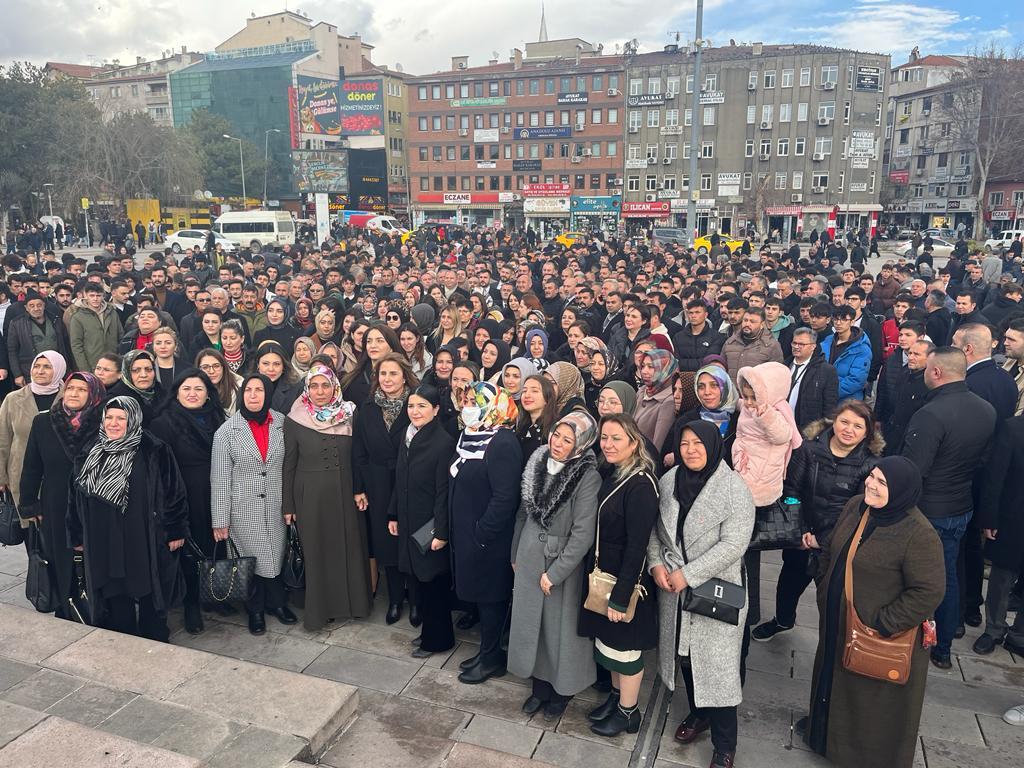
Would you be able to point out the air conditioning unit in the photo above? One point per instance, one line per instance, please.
(506, 129)
(613, 92)
(463, 132)
(817, 157)
(926, 112)
(824, 121)
(919, 171)
(634, 129)
(751, 86)
(650, 198)
(587, 151)
(661, 187)
(765, 156)
(580, 126)
(817, 190)
(667, 161)
(796, 198)
(828, 86)
(766, 125)
(577, 159)
(670, 94)
(616, 182)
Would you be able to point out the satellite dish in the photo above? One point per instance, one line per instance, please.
(398, 67)
(197, 195)
(208, 195)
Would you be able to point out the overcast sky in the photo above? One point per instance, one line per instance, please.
(423, 36)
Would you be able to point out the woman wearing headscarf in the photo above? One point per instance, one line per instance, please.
(602, 372)
(717, 399)
(318, 495)
(704, 526)
(278, 329)
(568, 383)
(421, 500)
(17, 412)
(129, 517)
(655, 408)
(323, 328)
(619, 397)
(583, 354)
(187, 424)
(302, 318)
(380, 428)
(514, 374)
(483, 498)
(138, 381)
(484, 331)
(898, 582)
(554, 531)
(246, 477)
(535, 347)
(55, 441)
(494, 357)
(303, 350)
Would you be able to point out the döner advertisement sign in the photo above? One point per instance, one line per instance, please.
(362, 107)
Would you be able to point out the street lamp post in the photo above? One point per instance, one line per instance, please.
(266, 157)
(49, 200)
(241, 162)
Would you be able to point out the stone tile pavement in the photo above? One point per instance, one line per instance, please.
(415, 714)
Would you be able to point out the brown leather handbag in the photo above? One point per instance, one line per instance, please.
(866, 652)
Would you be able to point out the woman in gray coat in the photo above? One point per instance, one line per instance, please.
(246, 479)
(707, 515)
(554, 531)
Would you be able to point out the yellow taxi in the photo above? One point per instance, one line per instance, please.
(703, 244)
(569, 239)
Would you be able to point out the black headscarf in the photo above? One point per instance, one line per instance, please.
(689, 484)
(211, 415)
(260, 416)
(904, 481)
(504, 355)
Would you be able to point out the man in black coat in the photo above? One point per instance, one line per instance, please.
(984, 378)
(697, 339)
(32, 332)
(939, 317)
(1006, 306)
(814, 384)
(906, 393)
(948, 439)
(966, 312)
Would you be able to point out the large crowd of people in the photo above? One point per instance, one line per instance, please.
(569, 447)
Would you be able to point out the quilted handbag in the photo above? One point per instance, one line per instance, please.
(40, 586)
(11, 532)
(777, 526)
(231, 578)
(717, 598)
(294, 571)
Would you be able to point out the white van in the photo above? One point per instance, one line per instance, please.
(389, 225)
(1003, 241)
(254, 229)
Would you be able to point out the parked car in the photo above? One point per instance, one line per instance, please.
(569, 239)
(945, 234)
(940, 248)
(1002, 242)
(672, 235)
(703, 244)
(187, 239)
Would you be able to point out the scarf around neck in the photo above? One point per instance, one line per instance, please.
(107, 469)
(390, 408)
(543, 492)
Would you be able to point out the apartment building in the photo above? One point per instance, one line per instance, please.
(788, 134)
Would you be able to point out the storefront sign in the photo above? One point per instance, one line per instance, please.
(729, 191)
(671, 130)
(858, 187)
(457, 198)
(485, 101)
(596, 204)
(646, 100)
(482, 135)
(783, 210)
(464, 199)
(655, 210)
(319, 112)
(544, 132)
(1001, 215)
(903, 150)
(862, 144)
(362, 107)
(728, 179)
(575, 97)
(636, 164)
(934, 205)
(551, 206)
(712, 97)
(526, 165)
(485, 164)
(293, 116)
(900, 177)
(860, 162)
(868, 79)
(668, 194)
(546, 190)
(507, 197)
(953, 205)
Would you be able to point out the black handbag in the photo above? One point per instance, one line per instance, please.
(777, 526)
(424, 537)
(231, 578)
(40, 586)
(11, 532)
(717, 598)
(79, 605)
(293, 574)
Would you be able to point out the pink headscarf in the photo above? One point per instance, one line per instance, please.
(60, 367)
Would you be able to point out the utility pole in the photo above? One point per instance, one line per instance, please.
(694, 189)
(241, 162)
(49, 200)
(266, 157)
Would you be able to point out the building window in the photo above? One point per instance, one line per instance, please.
(650, 182)
(424, 184)
(711, 81)
(613, 116)
(670, 151)
(423, 124)
(421, 93)
(423, 152)
(635, 116)
(801, 112)
(549, 118)
(827, 109)
(751, 114)
(612, 148)
(846, 113)
(962, 190)
(654, 85)
(820, 180)
(783, 150)
(613, 81)
(752, 80)
(830, 74)
(549, 85)
(785, 112)
(687, 117)
(435, 123)
(798, 146)
(596, 83)
(787, 78)
(805, 75)
(595, 116)
(534, 119)
(435, 92)
(769, 78)
(671, 118)
(705, 182)
(995, 198)
(633, 152)
(878, 114)
(689, 83)
(823, 145)
(636, 87)
(653, 118)
(798, 179)
(595, 181)
(766, 147)
(709, 115)
(766, 113)
(780, 179)
(633, 183)
(652, 152)
(668, 182)
(748, 150)
(707, 149)
(672, 84)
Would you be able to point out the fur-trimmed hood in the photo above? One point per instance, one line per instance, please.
(816, 428)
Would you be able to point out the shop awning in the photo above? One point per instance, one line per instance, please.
(783, 210)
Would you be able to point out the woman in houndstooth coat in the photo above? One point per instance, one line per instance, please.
(246, 480)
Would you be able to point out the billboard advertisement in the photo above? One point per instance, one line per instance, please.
(320, 170)
(318, 108)
(362, 107)
(293, 116)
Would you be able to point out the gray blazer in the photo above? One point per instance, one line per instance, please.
(717, 532)
(246, 492)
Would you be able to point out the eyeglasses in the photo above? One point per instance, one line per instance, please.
(210, 367)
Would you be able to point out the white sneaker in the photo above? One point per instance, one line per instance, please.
(1014, 715)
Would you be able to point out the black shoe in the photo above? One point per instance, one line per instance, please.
(394, 613)
(941, 660)
(193, 619)
(415, 617)
(985, 644)
(283, 614)
(723, 759)
(416, 640)
(1014, 648)
(468, 620)
(618, 721)
(257, 623)
(598, 714)
(532, 705)
(481, 673)
(800, 726)
(972, 619)
(765, 632)
(419, 653)
(961, 630)
(470, 662)
(555, 709)
(691, 728)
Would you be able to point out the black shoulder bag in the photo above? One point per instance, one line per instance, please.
(11, 532)
(716, 598)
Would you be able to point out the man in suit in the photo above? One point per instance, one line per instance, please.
(814, 384)
(984, 378)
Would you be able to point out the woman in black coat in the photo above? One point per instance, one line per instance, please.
(138, 381)
(380, 425)
(56, 440)
(627, 511)
(187, 425)
(421, 500)
(483, 499)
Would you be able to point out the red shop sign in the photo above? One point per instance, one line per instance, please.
(650, 210)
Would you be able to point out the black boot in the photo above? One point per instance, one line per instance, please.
(601, 712)
(469, 663)
(619, 720)
(415, 617)
(193, 619)
(257, 623)
(394, 613)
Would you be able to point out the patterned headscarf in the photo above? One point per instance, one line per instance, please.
(730, 396)
(335, 417)
(593, 344)
(665, 365)
(126, 373)
(107, 469)
(75, 428)
(583, 426)
(568, 379)
(492, 409)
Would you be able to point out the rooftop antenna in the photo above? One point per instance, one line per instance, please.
(543, 36)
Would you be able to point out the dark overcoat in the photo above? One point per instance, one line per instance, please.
(374, 456)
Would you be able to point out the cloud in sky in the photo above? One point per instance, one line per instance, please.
(423, 36)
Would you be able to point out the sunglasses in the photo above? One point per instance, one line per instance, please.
(393, 317)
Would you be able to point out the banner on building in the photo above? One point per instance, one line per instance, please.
(362, 107)
(900, 176)
(293, 116)
(323, 218)
(318, 110)
(320, 171)
(547, 190)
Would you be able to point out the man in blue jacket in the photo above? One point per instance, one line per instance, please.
(848, 350)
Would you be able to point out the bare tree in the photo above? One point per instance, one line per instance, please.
(984, 108)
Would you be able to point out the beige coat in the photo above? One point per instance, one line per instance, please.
(16, 414)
